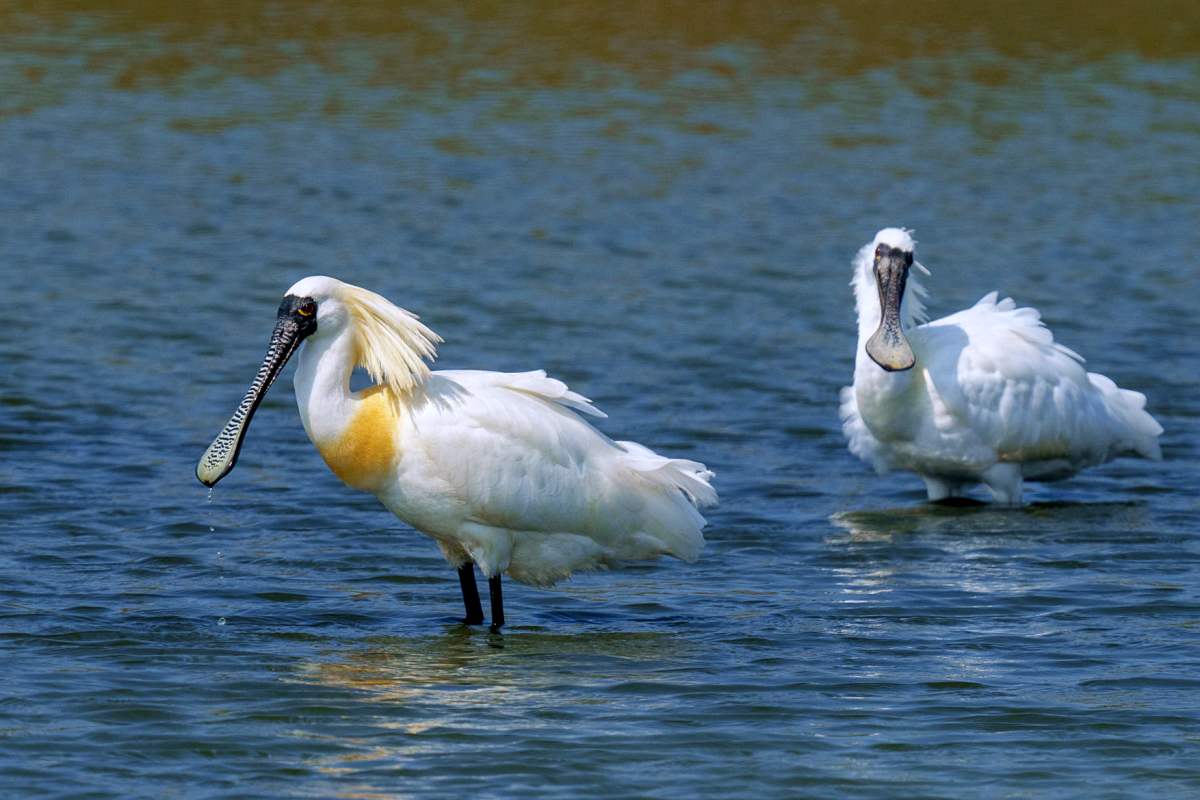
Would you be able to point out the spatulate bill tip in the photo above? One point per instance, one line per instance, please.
(892, 353)
(213, 466)
(209, 476)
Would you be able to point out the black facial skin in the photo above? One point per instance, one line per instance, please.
(296, 320)
(887, 347)
(300, 310)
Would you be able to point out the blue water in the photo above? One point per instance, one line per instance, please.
(673, 240)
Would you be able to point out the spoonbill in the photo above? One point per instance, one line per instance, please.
(984, 395)
(499, 468)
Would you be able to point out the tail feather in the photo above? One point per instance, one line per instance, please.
(1128, 408)
(669, 516)
(690, 477)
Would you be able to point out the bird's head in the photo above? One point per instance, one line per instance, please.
(305, 309)
(389, 342)
(891, 257)
(320, 304)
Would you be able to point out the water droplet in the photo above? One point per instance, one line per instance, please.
(221, 621)
(220, 555)
(210, 494)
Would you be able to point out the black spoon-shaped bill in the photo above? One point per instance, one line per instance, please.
(295, 322)
(888, 347)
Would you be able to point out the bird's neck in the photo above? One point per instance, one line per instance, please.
(356, 433)
(322, 384)
(878, 392)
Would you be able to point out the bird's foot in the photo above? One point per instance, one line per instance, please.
(474, 609)
(946, 492)
(497, 594)
(954, 501)
(1005, 482)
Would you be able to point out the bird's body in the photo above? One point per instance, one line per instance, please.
(499, 468)
(988, 397)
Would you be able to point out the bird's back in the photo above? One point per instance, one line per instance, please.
(998, 370)
(510, 452)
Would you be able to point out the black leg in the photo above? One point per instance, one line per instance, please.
(497, 601)
(466, 579)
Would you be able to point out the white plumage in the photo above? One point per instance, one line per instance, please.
(992, 397)
(499, 468)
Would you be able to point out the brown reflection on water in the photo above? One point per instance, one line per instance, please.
(556, 43)
(478, 666)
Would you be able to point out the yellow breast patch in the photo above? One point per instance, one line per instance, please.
(363, 455)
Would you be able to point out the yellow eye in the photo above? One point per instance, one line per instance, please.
(307, 310)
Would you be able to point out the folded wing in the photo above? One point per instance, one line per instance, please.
(1027, 396)
(516, 452)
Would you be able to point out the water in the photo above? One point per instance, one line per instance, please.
(661, 212)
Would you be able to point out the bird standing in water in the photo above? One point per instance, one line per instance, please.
(498, 468)
(982, 396)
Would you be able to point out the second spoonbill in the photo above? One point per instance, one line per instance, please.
(982, 396)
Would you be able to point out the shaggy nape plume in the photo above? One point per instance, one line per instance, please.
(391, 344)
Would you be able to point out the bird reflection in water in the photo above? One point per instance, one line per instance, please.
(466, 667)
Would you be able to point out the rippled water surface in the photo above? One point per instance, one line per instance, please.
(658, 207)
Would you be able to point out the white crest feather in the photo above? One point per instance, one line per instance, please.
(391, 344)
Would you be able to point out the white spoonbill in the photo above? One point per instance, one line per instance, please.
(499, 468)
(981, 396)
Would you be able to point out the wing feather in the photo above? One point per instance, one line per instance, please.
(513, 449)
(538, 384)
(1001, 374)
